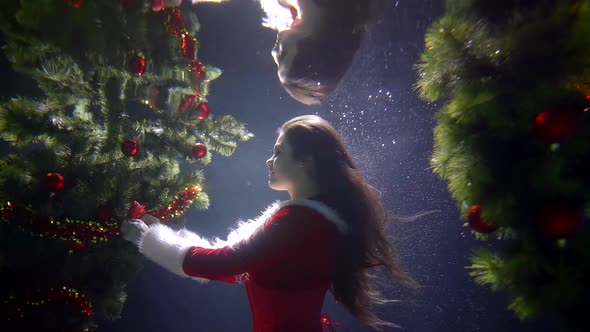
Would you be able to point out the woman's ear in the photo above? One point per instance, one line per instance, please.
(308, 163)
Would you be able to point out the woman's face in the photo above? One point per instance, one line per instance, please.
(284, 172)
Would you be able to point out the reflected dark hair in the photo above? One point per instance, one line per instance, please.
(366, 246)
(324, 57)
(320, 64)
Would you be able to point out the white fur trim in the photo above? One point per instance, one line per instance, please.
(164, 246)
(246, 228)
(168, 248)
(328, 212)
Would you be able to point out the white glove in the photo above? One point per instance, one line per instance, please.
(133, 230)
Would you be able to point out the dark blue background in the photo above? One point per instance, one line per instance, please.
(388, 130)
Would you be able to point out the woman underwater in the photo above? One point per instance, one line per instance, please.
(331, 234)
(316, 41)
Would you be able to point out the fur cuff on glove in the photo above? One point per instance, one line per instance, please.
(164, 246)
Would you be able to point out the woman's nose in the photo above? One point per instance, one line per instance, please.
(269, 162)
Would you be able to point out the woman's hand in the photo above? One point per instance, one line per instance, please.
(133, 229)
(148, 219)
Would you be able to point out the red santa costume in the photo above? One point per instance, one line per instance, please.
(285, 257)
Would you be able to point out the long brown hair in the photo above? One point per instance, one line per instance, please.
(325, 56)
(366, 246)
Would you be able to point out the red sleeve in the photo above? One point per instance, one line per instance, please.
(282, 236)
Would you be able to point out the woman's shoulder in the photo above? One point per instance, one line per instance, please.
(306, 208)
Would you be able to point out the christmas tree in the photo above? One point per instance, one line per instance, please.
(122, 128)
(513, 142)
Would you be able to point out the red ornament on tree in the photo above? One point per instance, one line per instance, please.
(187, 102)
(476, 222)
(54, 181)
(75, 3)
(137, 65)
(199, 150)
(175, 23)
(136, 210)
(294, 15)
(158, 5)
(556, 124)
(585, 90)
(199, 69)
(129, 147)
(77, 245)
(202, 111)
(188, 46)
(560, 220)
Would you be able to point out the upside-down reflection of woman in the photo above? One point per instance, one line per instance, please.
(316, 41)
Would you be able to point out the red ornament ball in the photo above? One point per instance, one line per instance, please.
(175, 22)
(560, 220)
(54, 181)
(202, 111)
(157, 5)
(186, 103)
(476, 222)
(75, 3)
(136, 210)
(556, 124)
(137, 65)
(77, 245)
(199, 150)
(129, 147)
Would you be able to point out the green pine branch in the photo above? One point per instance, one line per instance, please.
(499, 66)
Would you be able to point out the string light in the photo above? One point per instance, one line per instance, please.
(15, 306)
(178, 206)
(78, 233)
